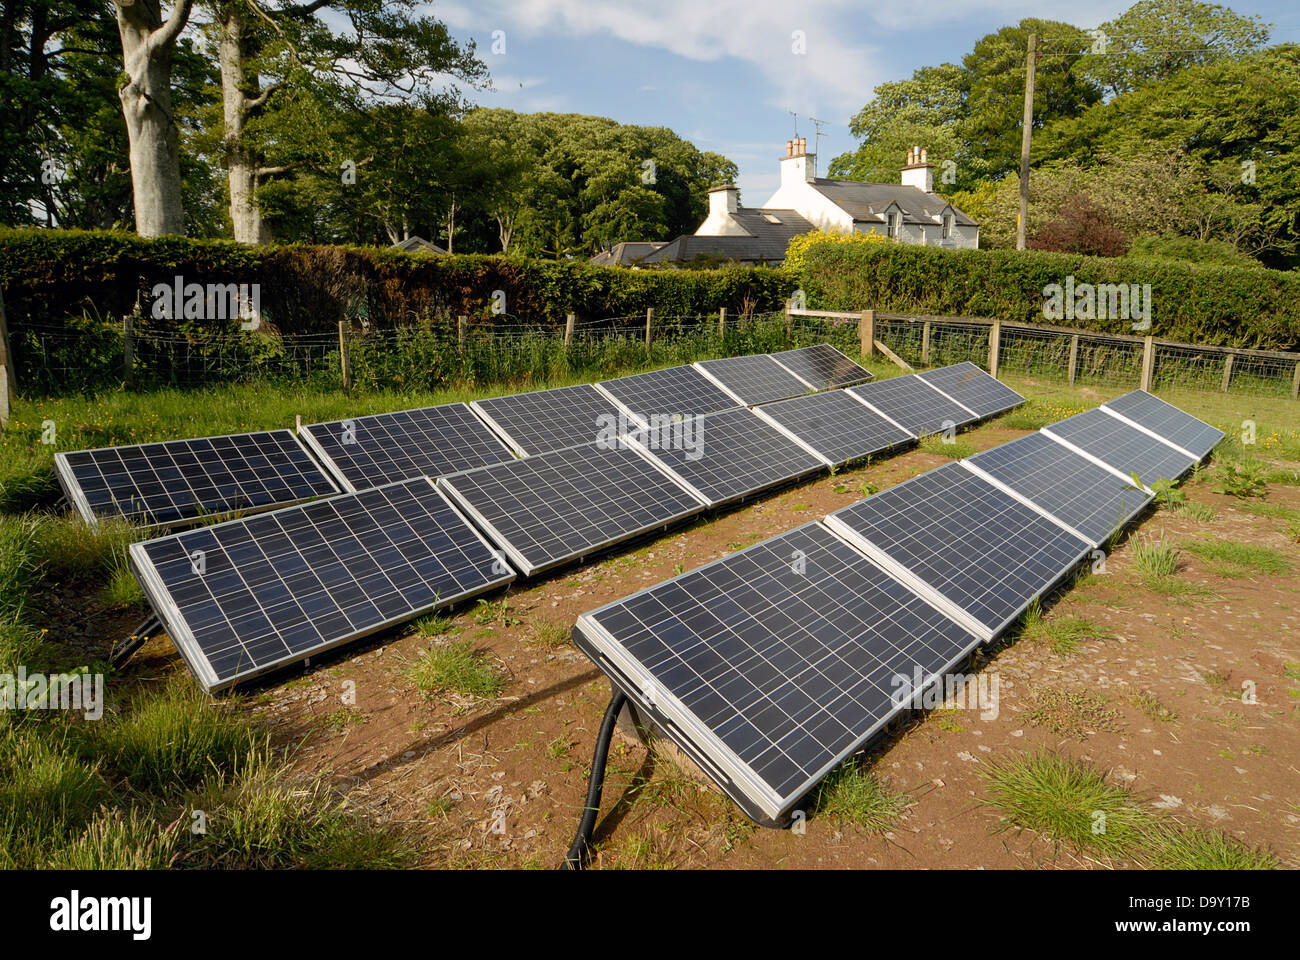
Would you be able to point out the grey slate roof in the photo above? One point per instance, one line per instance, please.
(626, 253)
(867, 202)
(766, 242)
(418, 245)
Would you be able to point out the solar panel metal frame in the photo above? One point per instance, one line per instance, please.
(881, 553)
(74, 492)
(814, 462)
(449, 485)
(627, 403)
(735, 777)
(772, 411)
(340, 471)
(732, 379)
(1049, 501)
(867, 393)
(941, 379)
(178, 629)
(492, 411)
(1124, 408)
(787, 359)
(1108, 457)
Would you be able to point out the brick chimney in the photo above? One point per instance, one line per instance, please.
(798, 165)
(918, 172)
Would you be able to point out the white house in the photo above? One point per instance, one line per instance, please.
(909, 211)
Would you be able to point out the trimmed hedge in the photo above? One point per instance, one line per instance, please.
(1191, 303)
(51, 275)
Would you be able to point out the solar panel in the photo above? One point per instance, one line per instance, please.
(972, 387)
(1089, 498)
(773, 664)
(728, 454)
(913, 404)
(383, 448)
(666, 394)
(247, 596)
(981, 550)
(1164, 419)
(566, 504)
(544, 420)
(824, 367)
(182, 481)
(753, 379)
(1122, 447)
(835, 425)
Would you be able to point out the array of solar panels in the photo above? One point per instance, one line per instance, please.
(773, 664)
(597, 465)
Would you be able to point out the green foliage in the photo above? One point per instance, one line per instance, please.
(457, 667)
(1191, 250)
(1229, 306)
(1241, 478)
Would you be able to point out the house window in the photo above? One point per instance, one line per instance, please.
(947, 226)
(771, 219)
(895, 222)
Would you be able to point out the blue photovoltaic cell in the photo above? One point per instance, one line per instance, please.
(836, 426)
(384, 448)
(1123, 447)
(980, 548)
(755, 379)
(565, 504)
(1076, 491)
(787, 655)
(671, 392)
(972, 387)
(913, 405)
(1167, 421)
(247, 596)
(822, 366)
(176, 482)
(544, 420)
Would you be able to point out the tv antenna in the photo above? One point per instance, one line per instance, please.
(817, 141)
(796, 123)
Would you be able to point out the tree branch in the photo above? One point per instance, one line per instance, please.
(166, 35)
(258, 102)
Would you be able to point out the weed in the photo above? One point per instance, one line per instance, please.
(456, 667)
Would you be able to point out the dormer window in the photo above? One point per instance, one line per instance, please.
(895, 223)
(947, 225)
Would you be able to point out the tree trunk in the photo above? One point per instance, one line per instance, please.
(147, 47)
(237, 106)
(451, 227)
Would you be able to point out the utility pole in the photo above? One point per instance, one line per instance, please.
(1025, 135)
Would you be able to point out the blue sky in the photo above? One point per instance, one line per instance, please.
(722, 73)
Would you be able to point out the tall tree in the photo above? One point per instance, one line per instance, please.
(148, 46)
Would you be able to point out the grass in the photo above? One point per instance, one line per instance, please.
(1227, 558)
(1071, 714)
(1152, 708)
(942, 446)
(549, 634)
(1157, 563)
(435, 625)
(458, 668)
(1066, 801)
(1062, 634)
(853, 795)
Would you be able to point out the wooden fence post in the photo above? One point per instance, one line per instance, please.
(995, 347)
(568, 329)
(128, 349)
(867, 333)
(649, 322)
(8, 379)
(345, 362)
(1227, 373)
(1074, 357)
(722, 321)
(1295, 383)
(1148, 362)
(789, 324)
(925, 343)
(462, 332)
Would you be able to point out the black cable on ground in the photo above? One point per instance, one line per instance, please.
(576, 859)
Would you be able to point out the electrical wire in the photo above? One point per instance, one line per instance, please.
(580, 850)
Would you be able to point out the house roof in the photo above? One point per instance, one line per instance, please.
(418, 245)
(749, 249)
(626, 253)
(771, 224)
(867, 202)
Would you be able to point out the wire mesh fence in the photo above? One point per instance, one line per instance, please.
(95, 354)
